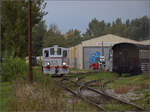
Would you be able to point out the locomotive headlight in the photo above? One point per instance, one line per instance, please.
(48, 63)
(64, 63)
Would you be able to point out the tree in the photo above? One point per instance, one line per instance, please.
(107, 29)
(136, 29)
(73, 37)
(95, 28)
(54, 37)
(139, 28)
(68, 34)
(14, 24)
(38, 35)
(118, 27)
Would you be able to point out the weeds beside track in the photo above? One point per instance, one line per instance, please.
(86, 86)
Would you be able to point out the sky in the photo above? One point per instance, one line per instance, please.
(77, 14)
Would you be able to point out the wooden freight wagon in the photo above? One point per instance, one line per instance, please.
(131, 58)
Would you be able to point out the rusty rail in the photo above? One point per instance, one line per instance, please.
(110, 96)
(80, 96)
(103, 93)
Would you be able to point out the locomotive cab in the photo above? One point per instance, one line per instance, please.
(55, 60)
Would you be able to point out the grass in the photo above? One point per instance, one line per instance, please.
(119, 107)
(74, 70)
(120, 81)
(45, 95)
(138, 79)
(103, 75)
(144, 101)
(36, 97)
(82, 106)
(137, 84)
(78, 105)
(5, 92)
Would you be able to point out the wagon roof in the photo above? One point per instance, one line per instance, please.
(138, 46)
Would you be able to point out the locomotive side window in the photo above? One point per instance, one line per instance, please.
(64, 53)
(59, 51)
(52, 51)
(46, 53)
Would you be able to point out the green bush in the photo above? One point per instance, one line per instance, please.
(12, 68)
(39, 77)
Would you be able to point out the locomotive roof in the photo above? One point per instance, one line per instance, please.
(55, 46)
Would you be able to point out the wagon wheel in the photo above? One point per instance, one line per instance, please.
(42, 68)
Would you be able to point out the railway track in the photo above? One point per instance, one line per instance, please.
(79, 75)
(87, 72)
(86, 86)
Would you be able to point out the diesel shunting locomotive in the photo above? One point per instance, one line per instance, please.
(55, 60)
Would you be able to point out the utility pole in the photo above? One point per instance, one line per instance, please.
(30, 40)
(0, 40)
(102, 56)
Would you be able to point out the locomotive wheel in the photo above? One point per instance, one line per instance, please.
(135, 71)
(61, 75)
(119, 73)
(55, 75)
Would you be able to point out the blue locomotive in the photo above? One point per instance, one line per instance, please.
(94, 60)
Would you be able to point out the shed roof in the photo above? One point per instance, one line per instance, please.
(109, 38)
(145, 42)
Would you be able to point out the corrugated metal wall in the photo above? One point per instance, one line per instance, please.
(107, 54)
(76, 56)
(79, 56)
(71, 56)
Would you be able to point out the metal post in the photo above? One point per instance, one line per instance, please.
(103, 56)
(102, 49)
(30, 40)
